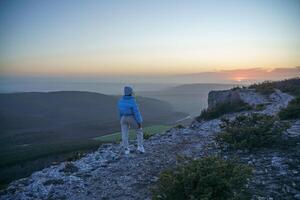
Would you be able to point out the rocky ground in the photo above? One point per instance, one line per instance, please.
(108, 174)
(276, 171)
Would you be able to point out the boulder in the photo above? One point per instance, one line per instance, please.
(248, 96)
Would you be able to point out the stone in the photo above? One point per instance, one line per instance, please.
(220, 97)
(297, 196)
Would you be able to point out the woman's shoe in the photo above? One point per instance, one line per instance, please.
(141, 149)
(127, 152)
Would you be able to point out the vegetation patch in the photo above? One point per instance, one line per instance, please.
(70, 168)
(54, 182)
(179, 126)
(291, 86)
(147, 135)
(221, 109)
(265, 88)
(292, 111)
(260, 107)
(75, 155)
(251, 132)
(203, 179)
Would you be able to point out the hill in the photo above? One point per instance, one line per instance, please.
(38, 110)
(38, 128)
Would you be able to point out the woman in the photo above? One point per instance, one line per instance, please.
(130, 117)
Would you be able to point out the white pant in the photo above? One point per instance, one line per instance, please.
(130, 122)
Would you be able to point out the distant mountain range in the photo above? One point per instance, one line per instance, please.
(240, 76)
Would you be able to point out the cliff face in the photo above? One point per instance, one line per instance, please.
(273, 102)
(246, 95)
(108, 174)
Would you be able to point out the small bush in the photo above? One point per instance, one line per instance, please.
(260, 107)
(292, 111)
(75, 156)
(291, 86)
(204, 179)
(54, 182)
(221, 109)
(265, 88)
(251, 132)
(179, 126)
(147, 135)
(69, 168)
(236, 88)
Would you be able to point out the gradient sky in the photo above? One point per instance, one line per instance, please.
(76, 37)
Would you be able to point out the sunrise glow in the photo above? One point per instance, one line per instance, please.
(239, 79)
(148, 38)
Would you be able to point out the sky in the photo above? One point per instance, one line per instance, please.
(137, 39)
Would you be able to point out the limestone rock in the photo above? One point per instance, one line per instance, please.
(294, 130)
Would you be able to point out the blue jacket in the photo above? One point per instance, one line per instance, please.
(128, 107)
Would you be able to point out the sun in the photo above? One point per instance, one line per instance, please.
(239, 78)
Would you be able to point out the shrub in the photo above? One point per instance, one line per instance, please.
(265, 88)
(75, 156)
(291, 86)
(221, 109)
(260, 107)
(251, 132)
(179, 126)
(54, 182)
(292, 111)
(147, 135)
(204, 179)
(69, 168)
